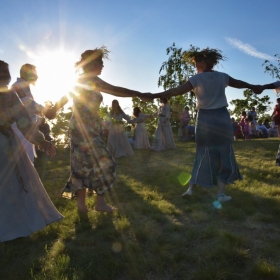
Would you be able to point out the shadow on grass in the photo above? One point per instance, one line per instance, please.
(156, 234)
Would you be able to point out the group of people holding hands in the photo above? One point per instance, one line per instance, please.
(25, 205)
(120, 145)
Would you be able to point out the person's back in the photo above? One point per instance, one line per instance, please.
(209, 88)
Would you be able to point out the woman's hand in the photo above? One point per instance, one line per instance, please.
(146, 97)
(257, 89)
(49, 148)
(50, 113)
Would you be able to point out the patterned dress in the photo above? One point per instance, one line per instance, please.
(92, 165)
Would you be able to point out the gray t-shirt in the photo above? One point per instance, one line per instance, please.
(209, 89)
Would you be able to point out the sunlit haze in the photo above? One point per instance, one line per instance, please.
(56, 75)
(53, 34)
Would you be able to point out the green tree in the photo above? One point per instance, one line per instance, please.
(273, 68)
(250, 100)
(59, 127)
(176, 71)
(104, 112)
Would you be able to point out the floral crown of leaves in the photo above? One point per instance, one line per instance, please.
(214, 54)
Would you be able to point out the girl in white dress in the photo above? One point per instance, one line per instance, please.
(163, 136)
(118, 143)
(140, 133)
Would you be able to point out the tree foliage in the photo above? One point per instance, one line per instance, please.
(273, 68)
(176, 71)
(104, 112)
(250, 100)
(59, 127)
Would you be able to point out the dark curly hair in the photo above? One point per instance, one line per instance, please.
(92, 56)
(211, 57)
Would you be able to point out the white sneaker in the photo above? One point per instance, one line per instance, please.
(189, 192)
(224, 198)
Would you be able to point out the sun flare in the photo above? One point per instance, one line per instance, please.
(56, 75)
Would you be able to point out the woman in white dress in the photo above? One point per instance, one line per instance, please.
(163, 138)
(118, 143)
(141, 139)
(25, 206)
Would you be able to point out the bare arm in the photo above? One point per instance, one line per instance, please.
(269, 86)
(180, 90)
(113, 90)
(239, 84)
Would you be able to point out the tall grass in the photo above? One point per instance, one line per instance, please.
(156, 234)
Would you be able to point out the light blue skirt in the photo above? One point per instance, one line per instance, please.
(215, 157)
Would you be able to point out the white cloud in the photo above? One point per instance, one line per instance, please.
(248, 49)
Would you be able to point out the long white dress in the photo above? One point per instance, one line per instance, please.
(141, 139)
(25, 207)
(163, 138)
(117, 142)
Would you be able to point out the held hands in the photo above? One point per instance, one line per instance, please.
(50, 113)
(49, 148)
(146, 97)
(257, 89)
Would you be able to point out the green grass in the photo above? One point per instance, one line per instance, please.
(156, 234)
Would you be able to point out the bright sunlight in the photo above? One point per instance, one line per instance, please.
(56, 75)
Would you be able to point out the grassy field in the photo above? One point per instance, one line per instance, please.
(156, 234)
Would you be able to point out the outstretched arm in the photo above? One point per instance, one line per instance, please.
(113, 90)
(180, 90)
(51, 112)
(241, 84)
(271, 86)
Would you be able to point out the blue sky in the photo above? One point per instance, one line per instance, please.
(52, 34)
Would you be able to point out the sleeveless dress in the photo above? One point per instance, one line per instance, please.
(25, 206)
(92, 165)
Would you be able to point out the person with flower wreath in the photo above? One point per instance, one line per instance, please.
(215, 162)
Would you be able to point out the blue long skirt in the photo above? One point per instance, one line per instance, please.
(215, 157)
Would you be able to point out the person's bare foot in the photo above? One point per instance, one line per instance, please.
(105, 208)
